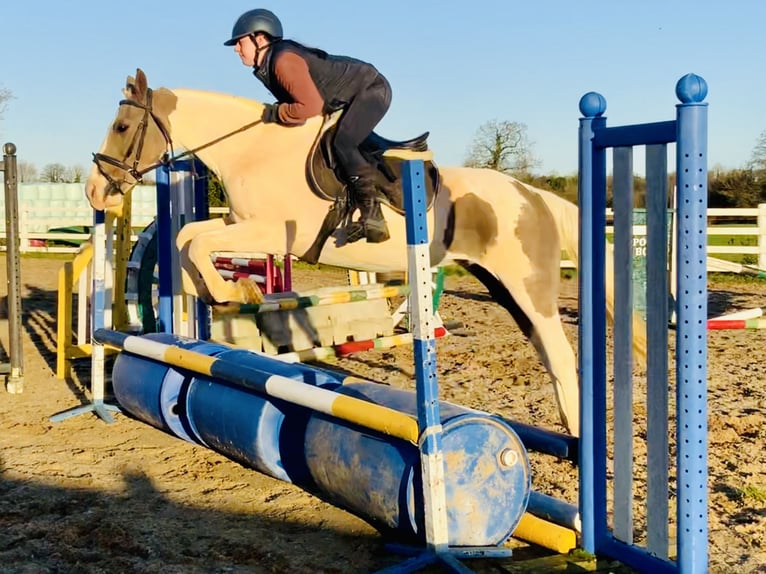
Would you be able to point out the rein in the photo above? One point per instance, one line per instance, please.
(139, 135)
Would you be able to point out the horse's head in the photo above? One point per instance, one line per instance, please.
(137, 137)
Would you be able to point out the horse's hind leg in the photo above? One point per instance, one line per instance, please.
(556, 353)
(510, 241)
(536, 313)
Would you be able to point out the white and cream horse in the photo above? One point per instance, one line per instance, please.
(508, 234)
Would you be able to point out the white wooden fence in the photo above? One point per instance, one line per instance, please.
(41, 228)
(759, 249)
(753, 225)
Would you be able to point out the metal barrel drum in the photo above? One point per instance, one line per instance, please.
(487, 470)
(260, 432)
(373, 475)
(152, 391)
(239, 423)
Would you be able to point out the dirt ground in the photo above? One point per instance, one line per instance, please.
(84, 496)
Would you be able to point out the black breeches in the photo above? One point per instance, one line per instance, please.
(361, 116)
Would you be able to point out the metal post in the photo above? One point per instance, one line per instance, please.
(164, 255)
(15, 380)
(691, 341)
(427, 391)
(591, 328)
(424, 348)
(98, 304)
(762, 236)
(201, 213)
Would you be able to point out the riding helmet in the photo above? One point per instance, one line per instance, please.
(254, 21)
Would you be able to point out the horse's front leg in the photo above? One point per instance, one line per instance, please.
(244, 236)
(191, 278)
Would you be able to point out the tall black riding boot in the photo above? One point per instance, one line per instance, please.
(371, 224)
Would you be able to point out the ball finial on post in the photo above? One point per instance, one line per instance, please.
(592, 105)
(9, 149)
(691, 89)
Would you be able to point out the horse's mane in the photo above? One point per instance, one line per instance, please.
(205, 116)
(218, 99)
(227, 111)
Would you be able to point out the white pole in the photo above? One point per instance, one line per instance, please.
(762, 236)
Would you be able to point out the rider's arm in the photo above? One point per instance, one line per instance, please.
(292, 73)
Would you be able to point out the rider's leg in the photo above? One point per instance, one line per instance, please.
(359, 119)
(371, 224)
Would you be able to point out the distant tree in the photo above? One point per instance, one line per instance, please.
(758, 157)
(5, 96)
(27, 172)
(215, 191)
(54, 173)
(735, 188)
(639, 191)
(74, 174)
(503, 146)
(565, 186)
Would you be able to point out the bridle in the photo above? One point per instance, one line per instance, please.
(137, 143)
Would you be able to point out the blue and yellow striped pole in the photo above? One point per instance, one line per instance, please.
(369, 415)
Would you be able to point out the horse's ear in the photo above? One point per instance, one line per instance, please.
(135, 88)
(130, 87)
(141, 84)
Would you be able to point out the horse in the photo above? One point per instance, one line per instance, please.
(508, 234)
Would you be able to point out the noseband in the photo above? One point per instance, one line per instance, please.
(138, 143)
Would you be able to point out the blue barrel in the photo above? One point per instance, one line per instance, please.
(152, 391)
(375, 476)
(487, 471)
(260, 432)
(299, 371)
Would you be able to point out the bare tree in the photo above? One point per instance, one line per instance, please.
(503, 146)
(5, 96)
(54, 173)
(75, 174)
(758, 157)
(27, 172)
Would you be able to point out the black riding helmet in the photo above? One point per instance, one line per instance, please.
(254, 21)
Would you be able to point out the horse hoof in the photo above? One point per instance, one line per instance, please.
(374, 235)
(249, 292)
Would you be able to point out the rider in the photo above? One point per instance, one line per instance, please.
(308, 82)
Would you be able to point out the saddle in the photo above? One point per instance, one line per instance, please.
(384, 156)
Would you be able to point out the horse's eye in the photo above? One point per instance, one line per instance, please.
(121, 128)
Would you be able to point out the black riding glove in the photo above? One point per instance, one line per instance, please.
(270, 114)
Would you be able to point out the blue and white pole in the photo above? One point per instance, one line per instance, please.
(424, 349)
(98, 319)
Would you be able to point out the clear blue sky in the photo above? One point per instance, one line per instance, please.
(453, 65)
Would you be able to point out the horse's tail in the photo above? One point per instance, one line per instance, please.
(566, 216)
